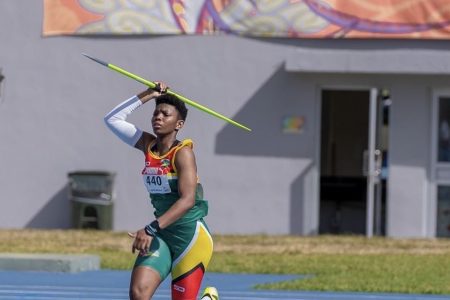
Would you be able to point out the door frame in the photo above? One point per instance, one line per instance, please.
(372, 109)
(439, 172)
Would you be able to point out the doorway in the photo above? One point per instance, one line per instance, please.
(349, 190)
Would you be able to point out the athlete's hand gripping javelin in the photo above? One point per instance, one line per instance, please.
(148, 94)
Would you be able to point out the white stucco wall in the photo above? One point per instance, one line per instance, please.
(412, 208)
(52, 123)
(54, 99)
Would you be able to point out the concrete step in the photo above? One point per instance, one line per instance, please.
(71, 263)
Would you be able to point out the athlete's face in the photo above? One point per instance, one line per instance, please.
(166, 119)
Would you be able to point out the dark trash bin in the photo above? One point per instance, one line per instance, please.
(91, 194)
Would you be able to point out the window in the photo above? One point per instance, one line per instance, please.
(443, 212)
(443, 139)
(440, 164)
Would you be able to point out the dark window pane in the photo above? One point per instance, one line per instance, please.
(443, 212)
(444, 130)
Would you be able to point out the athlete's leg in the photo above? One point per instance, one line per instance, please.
(189, 267)
(150, 270)
(144, 281)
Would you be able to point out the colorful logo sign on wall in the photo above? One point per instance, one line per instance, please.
(293, 124)
(426, 19)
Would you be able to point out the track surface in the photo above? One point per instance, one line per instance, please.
(112, 285)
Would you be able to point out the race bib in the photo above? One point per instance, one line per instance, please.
(157, 184)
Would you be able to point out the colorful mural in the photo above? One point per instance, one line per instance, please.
(421, 19)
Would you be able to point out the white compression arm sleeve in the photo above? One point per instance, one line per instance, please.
(116, 121)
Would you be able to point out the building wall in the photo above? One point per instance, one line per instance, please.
(52, 123)
(54, 100)
(410, 158)
(412, 209)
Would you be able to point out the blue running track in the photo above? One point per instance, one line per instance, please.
(112, 285)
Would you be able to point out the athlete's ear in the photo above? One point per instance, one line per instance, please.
(180, 124)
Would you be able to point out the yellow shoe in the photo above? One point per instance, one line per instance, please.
(210, 293)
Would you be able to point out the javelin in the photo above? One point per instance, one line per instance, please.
(152, 85)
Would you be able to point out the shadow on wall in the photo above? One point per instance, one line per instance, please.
(301, 187)
(263, 113)
(56, 213)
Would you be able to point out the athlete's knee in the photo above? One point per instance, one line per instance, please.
(142, 288)
(139, 291)
(144, 282)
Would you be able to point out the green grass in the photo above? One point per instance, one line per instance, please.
(344, 263)
(363, 273)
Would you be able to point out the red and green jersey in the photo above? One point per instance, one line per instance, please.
(161, 180)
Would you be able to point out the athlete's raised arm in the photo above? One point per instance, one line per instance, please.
(116, 119)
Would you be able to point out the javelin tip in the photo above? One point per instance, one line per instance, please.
(96, 60)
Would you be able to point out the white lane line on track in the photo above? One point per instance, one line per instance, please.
(98, 296)
(52, 295)
(43, 292)
(59, 287)
(60, 293)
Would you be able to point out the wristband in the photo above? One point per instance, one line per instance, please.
(152, 228)
(155, 225)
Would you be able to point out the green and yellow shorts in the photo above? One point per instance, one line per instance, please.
(183, 250)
